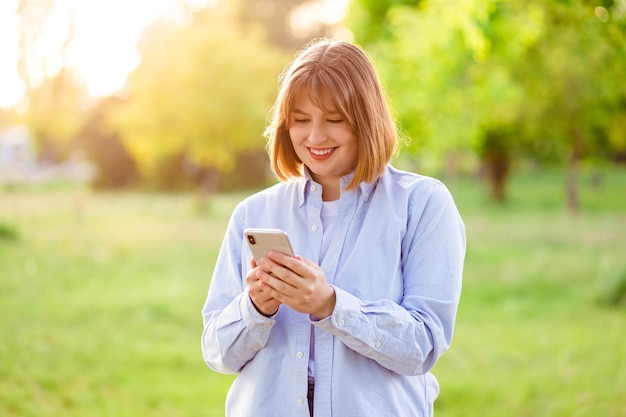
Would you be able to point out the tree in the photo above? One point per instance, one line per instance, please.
(32, 17)
(444, 80)
(368, 19)
(53, 95)
(201, 93)
(504, 77)
(55, 115)
(575, 81)
(115, 168)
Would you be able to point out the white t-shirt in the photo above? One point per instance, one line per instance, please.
(330, 211)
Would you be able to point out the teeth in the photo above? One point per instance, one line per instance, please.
(321, 152)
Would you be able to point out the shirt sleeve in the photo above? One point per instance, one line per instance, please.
(409, 337)
(234, 331)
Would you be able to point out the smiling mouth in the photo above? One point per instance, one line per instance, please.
(321, 152)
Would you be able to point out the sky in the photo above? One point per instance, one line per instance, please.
(107, 32)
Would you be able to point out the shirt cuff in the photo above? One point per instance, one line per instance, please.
(345, 315)
(251, 316)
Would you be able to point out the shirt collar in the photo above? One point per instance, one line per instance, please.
(365, 189)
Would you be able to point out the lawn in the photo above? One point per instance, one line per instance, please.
(100, 299)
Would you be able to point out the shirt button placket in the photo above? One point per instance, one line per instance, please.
(299, 401)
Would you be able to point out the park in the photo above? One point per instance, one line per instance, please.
(113, 206)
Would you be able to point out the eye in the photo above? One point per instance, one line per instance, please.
(335, 121)
(299, 120)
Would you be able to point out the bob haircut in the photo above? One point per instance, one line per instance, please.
(337, 76)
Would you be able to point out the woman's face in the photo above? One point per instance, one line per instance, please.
(324, 142)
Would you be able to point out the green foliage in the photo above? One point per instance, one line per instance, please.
(101, 301)
(550, 74)
(583, 58)
(202, 91)
(368, 18)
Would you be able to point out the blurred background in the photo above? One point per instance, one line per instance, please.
(129, 129)
(174, 94)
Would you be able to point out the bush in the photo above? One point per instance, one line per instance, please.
(615, 294)
(7, 232)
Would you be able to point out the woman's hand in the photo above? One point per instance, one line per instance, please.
(261, 297)
(296, 282)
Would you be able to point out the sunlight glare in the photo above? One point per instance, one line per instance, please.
(103, 47)
(11, 89)
(310, 16)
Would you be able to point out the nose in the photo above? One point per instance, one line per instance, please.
(317, 135)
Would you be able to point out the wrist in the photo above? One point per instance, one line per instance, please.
(328, 307)
(261, 312)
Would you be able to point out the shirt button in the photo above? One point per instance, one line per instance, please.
(340, 322)
(314, 227)
(377, 345)
(314, 188)
(299, 354)
(300, 402)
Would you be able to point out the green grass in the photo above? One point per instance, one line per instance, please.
(100, 299)
(537, 333)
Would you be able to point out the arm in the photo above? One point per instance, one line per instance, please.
(409, 337)
(234, 331)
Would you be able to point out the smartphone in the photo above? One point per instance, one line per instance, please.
(261, 241)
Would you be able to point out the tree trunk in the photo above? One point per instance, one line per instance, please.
(572, 186)
(573, 168)
(496, 168)
(496, 164)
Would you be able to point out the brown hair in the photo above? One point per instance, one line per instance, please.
(337, 75)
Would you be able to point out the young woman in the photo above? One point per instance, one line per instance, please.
(352, 325)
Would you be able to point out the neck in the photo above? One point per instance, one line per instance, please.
(330, 195)
(331, 188)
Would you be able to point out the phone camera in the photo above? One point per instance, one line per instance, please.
(251, 239)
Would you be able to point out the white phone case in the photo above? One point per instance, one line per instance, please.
(261, 241)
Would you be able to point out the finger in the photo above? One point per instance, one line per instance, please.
(280, 272)
(299, 265)
(278, 287)
(293, 263)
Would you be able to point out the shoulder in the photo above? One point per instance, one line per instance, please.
(411, 183)
(268, 199)
(419, 195)
(279, 190)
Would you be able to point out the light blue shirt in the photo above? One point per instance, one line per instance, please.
(395, 261)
